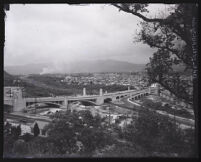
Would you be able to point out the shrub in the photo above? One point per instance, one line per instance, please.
(27, 137)
(157, 133)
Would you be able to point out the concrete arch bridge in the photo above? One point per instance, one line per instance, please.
(19, 103)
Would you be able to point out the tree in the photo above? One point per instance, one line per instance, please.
(27, 137)
(19, 148)
(18, 130)
(175, 38)
(7, 128)
(15, 131)
(158, 135)
(36, 130)
(71, 128)
(8, 140)
(172, 35)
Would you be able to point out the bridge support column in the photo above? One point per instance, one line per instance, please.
(149, 90)
(19, 103)
(66, 103)
(101, 92)
(128, 88)
(157, 89)
(84, 91)
(99, 100)
(113, 99)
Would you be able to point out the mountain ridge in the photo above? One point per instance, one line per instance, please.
(75, 67)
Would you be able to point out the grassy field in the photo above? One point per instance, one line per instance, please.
(48, 85)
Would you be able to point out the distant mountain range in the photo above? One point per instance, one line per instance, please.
(75, 67)
(8, 79)
(25, 69)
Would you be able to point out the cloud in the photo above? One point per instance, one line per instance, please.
(63, 33)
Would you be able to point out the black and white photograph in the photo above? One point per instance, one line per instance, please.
(100, 80)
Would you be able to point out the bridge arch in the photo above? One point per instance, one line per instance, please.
(107, 100)
(84, 102)
(88, 102)
(29, 105)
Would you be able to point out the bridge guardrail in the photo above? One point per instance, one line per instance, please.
(62, 98)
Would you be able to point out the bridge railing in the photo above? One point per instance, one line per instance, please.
(61, 98)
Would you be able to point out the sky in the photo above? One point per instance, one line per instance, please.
(38, 33)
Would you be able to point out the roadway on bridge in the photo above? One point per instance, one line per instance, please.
(126, 105)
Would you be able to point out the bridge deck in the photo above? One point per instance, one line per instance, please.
(62, 98)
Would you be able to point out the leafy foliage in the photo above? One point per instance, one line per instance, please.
(159, 135)
(175, 38)
(36, 130)
(11, 134)
(167, 108)
(27, 137)
(77, 126)
(172, 37)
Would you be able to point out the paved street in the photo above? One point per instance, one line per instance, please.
(132, 106)
(28, 118)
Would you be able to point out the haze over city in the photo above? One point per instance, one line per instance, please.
(63, 33)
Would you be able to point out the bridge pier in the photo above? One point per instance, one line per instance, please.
(113, 98)
(17, 101)
(84, 91)
(99, 100)
(101, 92)
(66, 103)
(149, 90)
(19, 104)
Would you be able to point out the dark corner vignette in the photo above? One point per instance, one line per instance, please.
(115, 80)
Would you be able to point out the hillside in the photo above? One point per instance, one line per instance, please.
(25, 69)
(76, 67)
(8, 79)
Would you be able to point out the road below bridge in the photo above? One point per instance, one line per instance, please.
(137, 107)
(28, 118)
(126, 105)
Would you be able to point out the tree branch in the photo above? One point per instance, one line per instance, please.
(186, 98)
(126, 9)
(174, 52)
(166, 21)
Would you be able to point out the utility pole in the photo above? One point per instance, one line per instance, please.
(174, 112)
(90, 87)
(126, 119)
(13, 99)
(18, 83)
(109, 121)
(35, 105)
(109, 117)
